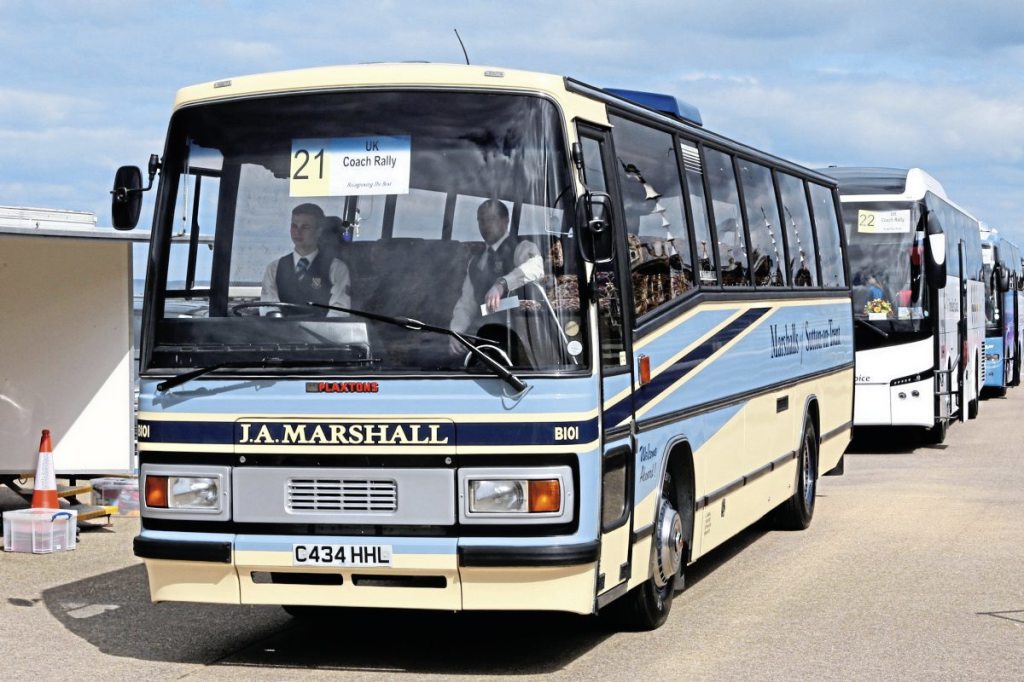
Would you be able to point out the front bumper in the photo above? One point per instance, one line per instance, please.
(907, 404)
(425, 573)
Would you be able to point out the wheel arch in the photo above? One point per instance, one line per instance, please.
(812, 410)
(679, 461)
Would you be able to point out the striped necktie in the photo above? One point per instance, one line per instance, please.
(301, 268)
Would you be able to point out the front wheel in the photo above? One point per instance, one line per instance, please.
(936, 435)
(796, 512)
(646, 607)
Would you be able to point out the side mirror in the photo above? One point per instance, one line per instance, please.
(595, 222)
(935, 253)
(126, 200)
(1002, 278)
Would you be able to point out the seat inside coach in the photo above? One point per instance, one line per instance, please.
(380, 278)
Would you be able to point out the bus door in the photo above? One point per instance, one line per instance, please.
(1015, 327)
(618, 434)
(1009, 318)
(961, 329)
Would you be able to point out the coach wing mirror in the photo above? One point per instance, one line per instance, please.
(126, 196)
(935, 248)
(1002, 278)
(595, 219)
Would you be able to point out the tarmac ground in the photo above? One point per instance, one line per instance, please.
(912, 569)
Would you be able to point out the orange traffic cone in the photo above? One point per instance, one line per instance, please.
(45, 494)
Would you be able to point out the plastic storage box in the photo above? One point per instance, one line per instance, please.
(122, 493)
(40, 531)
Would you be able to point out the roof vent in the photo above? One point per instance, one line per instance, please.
(666, 104)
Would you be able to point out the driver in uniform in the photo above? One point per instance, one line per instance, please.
(306, 275)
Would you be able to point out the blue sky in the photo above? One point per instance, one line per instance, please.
(88, 86)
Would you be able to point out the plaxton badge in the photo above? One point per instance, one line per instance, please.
(343, 433)
(342, 387)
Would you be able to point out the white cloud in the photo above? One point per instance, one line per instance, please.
(864, 120)
(717, 78)
(248, 51)
(35, 107)
(90, 84)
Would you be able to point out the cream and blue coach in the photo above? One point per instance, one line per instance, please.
(667, 356)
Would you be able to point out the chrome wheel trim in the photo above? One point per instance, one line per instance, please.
(668, 544)
(808, 471)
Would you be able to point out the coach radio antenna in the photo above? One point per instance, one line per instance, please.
(462, 45)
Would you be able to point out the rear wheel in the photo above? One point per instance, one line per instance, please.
(796, 512)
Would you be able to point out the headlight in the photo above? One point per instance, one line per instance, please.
(183, 492)
(497, 496)
(523, 496)
(193, 492)
(534, 495)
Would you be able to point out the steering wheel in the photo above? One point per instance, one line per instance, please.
(306, 314)
(492, 352)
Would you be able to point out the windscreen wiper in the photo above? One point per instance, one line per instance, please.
(416, 325)
(185, 377)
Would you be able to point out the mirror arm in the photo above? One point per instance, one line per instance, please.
(122, 194)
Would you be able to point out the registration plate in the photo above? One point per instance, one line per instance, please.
(360, 556)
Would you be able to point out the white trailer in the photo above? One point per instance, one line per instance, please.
(66, 361)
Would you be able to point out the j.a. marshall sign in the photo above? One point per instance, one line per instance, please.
(349, 433)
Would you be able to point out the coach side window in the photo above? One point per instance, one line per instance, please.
(827, 228)
(725, 205)
(767, 250)
(947, 218)
(654, 217)
(704, 247)
(606, 281)
(803, 262)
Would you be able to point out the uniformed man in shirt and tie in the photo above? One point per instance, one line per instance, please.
(505, 265)
(306, 274)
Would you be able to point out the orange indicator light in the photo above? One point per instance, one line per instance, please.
(545, 495)
(644, 368)
(156, 491)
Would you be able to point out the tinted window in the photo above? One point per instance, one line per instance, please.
(767, 249)
(593, 171)
(609, 310)
(653, 214)
(704, 247)
(827, 229)
(725, 204)
(884, 248)
(869, 180)
(799, 237)
(260, 158)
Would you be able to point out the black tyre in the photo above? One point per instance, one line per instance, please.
(312, 613)
(646, 607)
(937, 434)
(796, 512)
